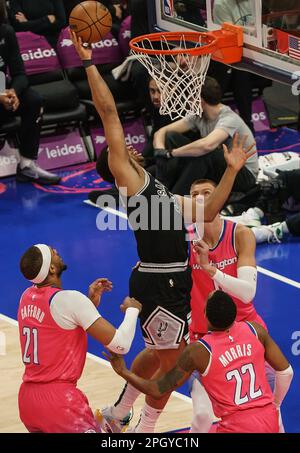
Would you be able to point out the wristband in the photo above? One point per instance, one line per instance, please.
(87, 63)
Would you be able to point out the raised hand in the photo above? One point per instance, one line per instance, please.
(84, 52)
(202, 250)
(117, 362)
(238, 155)
(97, 288)
(130, 302)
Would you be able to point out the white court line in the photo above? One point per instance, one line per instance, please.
(109, 210)
(97, 359)
(279, 277)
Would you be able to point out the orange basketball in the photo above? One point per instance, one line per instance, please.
(91, 21)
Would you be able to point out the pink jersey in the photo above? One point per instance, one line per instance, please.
(225, 258)
(235, 379)
(49, 352)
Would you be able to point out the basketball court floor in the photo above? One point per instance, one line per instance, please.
(57, 216)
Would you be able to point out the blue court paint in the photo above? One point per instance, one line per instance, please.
(57, 216)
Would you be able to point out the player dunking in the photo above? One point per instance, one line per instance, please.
(53, 325)
(231, 362)
(162, 279)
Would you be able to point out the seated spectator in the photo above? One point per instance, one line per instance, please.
(43, 17)
(203, 158)
(189, 11)
(23, 101)
(157, 122)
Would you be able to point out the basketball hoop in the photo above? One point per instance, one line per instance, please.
(178, 62)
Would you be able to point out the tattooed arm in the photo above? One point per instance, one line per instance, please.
(194, 357)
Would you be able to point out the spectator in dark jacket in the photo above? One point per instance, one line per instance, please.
(23, 101)
(43, 17)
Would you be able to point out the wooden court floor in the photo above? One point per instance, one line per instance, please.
(98, 382)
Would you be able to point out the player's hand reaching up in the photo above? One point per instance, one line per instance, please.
(117, 362)
(202, 250)
(130, 302)
(237, 156)
(84, 52)
(97, 288)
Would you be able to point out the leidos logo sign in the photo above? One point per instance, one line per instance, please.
(38, 54)
(61, 151)
(129, 139)
(98, 45)
(134, 139)
(8, 160)
(105, 43)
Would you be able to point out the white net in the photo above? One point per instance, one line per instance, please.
(179, 77)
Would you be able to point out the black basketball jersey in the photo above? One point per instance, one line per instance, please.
(156, 218)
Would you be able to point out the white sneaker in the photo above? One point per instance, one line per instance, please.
(34, 173)
(268, 233)
(249, 218)
(110, 424)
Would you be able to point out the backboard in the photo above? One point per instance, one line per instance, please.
(271, 30)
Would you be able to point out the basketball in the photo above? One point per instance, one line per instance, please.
(91, 21)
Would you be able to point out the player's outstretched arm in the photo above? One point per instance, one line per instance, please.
(192, 358)
(119, 160)
(235, 158)
(117, 340)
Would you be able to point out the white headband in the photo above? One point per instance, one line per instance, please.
(44, 271)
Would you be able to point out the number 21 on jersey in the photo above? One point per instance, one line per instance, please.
(31, 346)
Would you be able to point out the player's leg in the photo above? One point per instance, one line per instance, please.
(153, 407)
(117, 416)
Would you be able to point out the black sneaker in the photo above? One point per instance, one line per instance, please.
(34, 173)
(97, 197)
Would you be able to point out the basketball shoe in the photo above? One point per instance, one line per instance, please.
(249, 218)
(110, 424)
(32, 172)
(269, 233)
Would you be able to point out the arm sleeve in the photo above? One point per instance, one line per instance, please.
(283, 380)
(15, 63)
(122, 340)
(243, 286)
(71, 309)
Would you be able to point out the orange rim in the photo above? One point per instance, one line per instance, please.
(208, 40)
